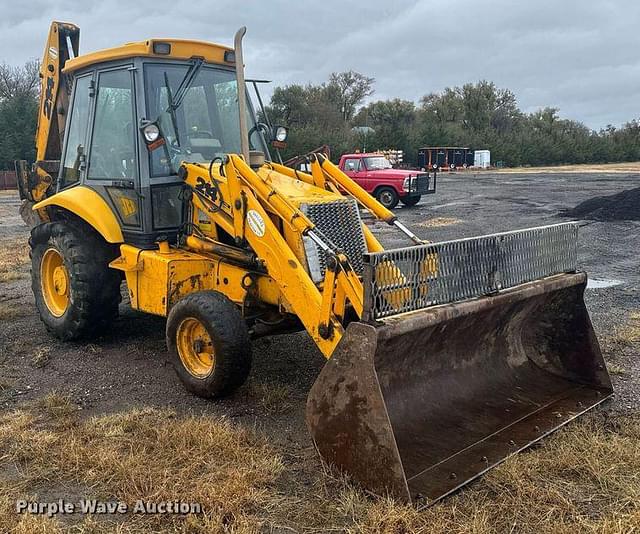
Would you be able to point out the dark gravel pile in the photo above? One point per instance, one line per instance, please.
(623, 206)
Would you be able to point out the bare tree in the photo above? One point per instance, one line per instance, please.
(19, 80)
(349, 88)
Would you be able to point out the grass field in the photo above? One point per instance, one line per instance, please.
(586, 478)
(13, 256)
(628, 167)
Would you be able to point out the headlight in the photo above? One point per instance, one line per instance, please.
(281, 134)
(151, 132)
(406, 185)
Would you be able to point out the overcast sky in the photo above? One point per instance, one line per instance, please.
(580, 56)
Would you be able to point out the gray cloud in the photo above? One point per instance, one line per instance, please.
(581, 57)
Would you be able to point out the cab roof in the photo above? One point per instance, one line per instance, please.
(179, 49)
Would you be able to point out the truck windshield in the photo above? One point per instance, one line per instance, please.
(205, 125)
(377, 163)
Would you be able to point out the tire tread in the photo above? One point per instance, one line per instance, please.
(230, 336)
(95, 286)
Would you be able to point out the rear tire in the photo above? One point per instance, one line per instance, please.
(209, 344)
(410, 201)
(388, 197)
(76, 293)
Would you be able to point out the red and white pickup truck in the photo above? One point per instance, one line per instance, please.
(374, 173)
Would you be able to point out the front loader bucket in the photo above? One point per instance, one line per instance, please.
(419, 404)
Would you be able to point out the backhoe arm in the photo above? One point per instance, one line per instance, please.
(55, 89)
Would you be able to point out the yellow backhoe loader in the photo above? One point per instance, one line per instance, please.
(442, 358)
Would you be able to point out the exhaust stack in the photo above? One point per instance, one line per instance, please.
(242, 93)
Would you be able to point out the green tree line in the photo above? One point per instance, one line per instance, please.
(478, 115)
(19, 88)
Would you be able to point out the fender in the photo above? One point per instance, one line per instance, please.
(90, 206)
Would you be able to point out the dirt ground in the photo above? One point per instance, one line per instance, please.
(609, 168)
(127, 368)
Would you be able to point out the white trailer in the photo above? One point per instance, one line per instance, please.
(482, 159)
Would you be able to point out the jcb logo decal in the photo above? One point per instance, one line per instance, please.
(128, 207)
(48, 98)
(206, 189)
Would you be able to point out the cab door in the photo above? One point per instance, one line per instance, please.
(74, 159)
(354, 168)
(112, 161)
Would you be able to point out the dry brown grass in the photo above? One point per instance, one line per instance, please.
(615, 369)
(11, 275)
(143, 454)
(14, 254)
(92, 348)
(11, 310)
(55, 405)
(630, 332)
(627, 167)
(41, 356)
(439, 221)
(270, 396)
(586, 478)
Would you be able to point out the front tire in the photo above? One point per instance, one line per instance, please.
(410, 201)
(388, 197)
(76, 293)
(209, 344)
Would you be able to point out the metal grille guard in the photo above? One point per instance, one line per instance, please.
(412, 278)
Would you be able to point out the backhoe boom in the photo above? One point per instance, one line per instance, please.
(55, 89)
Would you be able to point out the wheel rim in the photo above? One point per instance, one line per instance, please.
(55, 282)
(195, 348)
(386, 198)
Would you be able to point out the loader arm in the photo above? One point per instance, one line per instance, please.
(250, 203)
(326, 175)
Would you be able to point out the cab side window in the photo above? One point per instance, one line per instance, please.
(113, 154)
(76, 134)
(352, 165)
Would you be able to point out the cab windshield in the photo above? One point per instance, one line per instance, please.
(205, 125)
(377, 163)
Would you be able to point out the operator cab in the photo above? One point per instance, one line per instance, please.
(136, 112)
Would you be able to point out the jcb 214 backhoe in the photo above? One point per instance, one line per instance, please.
(442, 358)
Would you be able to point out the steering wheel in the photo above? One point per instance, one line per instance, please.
(201, 134)
(259, 126)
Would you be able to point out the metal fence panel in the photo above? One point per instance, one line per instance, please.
(408, 279)
(8, 180)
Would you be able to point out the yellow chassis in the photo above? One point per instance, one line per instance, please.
(156, 279)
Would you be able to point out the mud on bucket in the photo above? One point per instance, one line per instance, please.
(422, 403)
